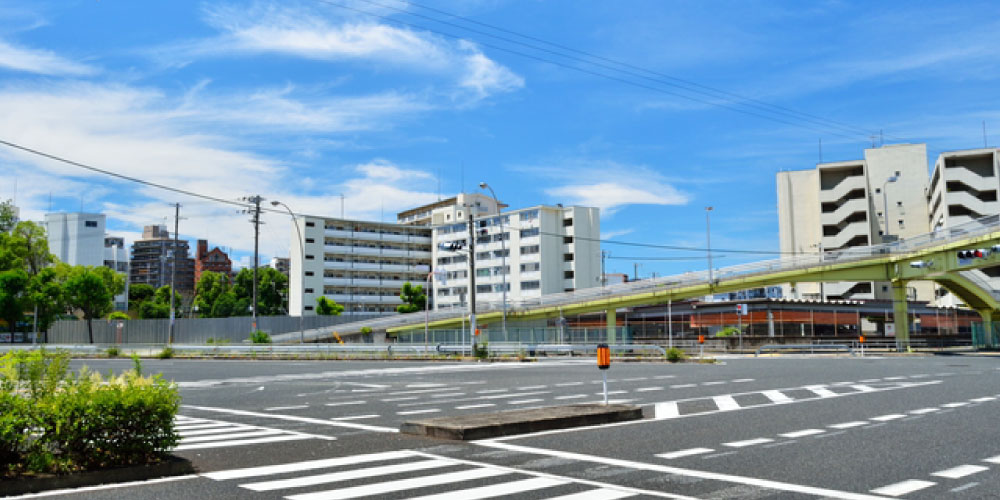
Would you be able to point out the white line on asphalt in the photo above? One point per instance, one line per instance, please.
(415, 412)
(524, 401)
(216, 430)
(354, 417)
(610, 392)
(886, 418)
(103, 487)
(405, 398)
(903, 487)
(683, 386)
(568, 384)
(280, 408)
(919, 375)
(194, 427)
(634, 379)
(424, 385)
(740, 380)
(241, 442)
(532, 387)
(346, 403)
(230, 436)
(747, 442)
(268, 470)
(469, 407)
(685, 453)
(422, 391)
(960, 471)
(295, 418)
(848, 425)
(751, 481)
(647, 389)
(964, 487)
(802, 433)
(348, 475)
(821, 391)
(448, 395)
(715, 382)
(993, 460)
(505, 489)
(571, 396)
(777, 396)
(399, 485)
(893, 378)
(863, 388)
(869, 380)
(955, 405)
(726, 403)
(983, 400)
(924, 410)
(490, 391)
(659, 377)
(838, 384)
(666, 410)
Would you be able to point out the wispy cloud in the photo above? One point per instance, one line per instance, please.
(42, 62)
(607, 235)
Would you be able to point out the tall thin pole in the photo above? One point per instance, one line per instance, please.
(472, 278)
(341, 205)
(670, 323)
(503, 257)
(256, 199)
(173, 273)
(302, 269)
(708, 243)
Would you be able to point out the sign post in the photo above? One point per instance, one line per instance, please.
(603, 363)
(861, 340)
(701, 346)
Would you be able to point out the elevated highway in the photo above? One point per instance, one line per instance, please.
(929, 257)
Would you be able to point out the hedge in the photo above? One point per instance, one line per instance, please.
(54, 420)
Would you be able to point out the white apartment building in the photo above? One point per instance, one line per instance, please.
(963, 187)
(529, 252)
(116, 258)
(359, 264)
(76, 238)
(839, 205)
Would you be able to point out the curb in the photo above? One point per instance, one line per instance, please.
(509, 423)
(170, 466)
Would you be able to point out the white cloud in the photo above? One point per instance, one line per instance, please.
(41, 62)
(610, 196)
(484, 76)
(607, 235)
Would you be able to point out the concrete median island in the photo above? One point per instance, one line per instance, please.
(509, 423)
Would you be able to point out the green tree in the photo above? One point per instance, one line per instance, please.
(210, 287)
(159, 306)
(327, 307)
(8, 216)
(113, 281)
(13, 288)
(32, 246)
(272, 287)
(228, 305)
(413, 299)
(116, 315)
(45, 297)
(139, 293)
(85, 290)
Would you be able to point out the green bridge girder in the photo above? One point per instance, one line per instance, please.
(938, 263)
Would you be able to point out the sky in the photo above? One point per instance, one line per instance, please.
(650, 110)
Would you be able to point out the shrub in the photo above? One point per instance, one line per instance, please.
(116, 315)
(674, 355)
(113, 352)
(260, 337)
(482, 351)
(166, 353)
(728, 331)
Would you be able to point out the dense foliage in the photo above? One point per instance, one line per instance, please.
(413, 298)
(328, 307)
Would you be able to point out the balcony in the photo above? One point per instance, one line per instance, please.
(365, 299)
(368, 282)
(365, 266)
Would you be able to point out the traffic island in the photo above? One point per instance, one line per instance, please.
(513, 422)
(170, 466)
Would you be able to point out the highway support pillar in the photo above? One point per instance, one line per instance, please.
(901, 316)
(987, 315)
(612, 325)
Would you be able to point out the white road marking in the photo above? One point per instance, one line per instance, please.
(715, 382)
(964, 487)
(242, 442)
(569, 384)
(524, 401)
(405, 398)
(983, 400)
(469, 407)
(886, 418)
(354, 417)
(424, 385)
(685, 453)
(660, 377)
(903, 487)
(230, 436)
(666, 410)
(532, 387)
(683, 386)
(601, 494)
(571, 396)
(747, 442)
(333, 477)
(194, 427)
(268, 470)
(216, 430)
(777, 396)
(399, 485)
(726, 403)
(422, 391)
(491, 391)
(103, 487)
(647, 389)
(955, 405)
(821, 391)
(922, 411)
(960, 471)
(893, 378)
(610, 392)
(495, 490)
(741, 380)
(869, 380)
(634, 379)
(346, 403)
(848, 425)
(863, 388)
(415, 412)
(281, 408)
(294, 418)
(448, 395)
(993, 460)
(802, 433)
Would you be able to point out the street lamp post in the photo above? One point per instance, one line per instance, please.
(302, 266)
(427, 303)
(708, 243)
(885, 205)
(503, 256)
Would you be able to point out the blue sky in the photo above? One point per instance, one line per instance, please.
(378, 100)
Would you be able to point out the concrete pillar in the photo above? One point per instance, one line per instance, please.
(901, 317)
(612, 324)
(987, 315)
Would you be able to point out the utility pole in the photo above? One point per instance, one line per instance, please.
(708, 244)
(173, 273)
(255, 220)
(472, 277)
(604, 276)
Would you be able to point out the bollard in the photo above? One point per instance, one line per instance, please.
(603, 363)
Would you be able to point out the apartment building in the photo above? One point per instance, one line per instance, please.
(846, 204)
(116, 258)
(153, 258)
(361, 265)
(528, 252)
(76, 238)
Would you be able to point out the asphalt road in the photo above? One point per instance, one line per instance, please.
(788, 427)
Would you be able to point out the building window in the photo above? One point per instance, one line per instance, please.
(482, 255)
(567, 257)
(90, 223)
(309, 257)
(900, 222)
(530, 249)
(568, 275)
(309, 273)
(309, 308)
(568, 222)
(529, 215)
(310, 240)
(531, 266)
(899, 203)
(309, 290)
(567, 239)
(501, 253)
(484, 288)
(526, 233)
(878, 190)
(310, 224)
(897, 173)
(483, 273)
(531, 285)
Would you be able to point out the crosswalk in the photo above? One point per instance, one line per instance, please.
(412, 474)
(200, 433)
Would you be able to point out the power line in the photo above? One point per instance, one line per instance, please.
(677, 247)
(667, 258)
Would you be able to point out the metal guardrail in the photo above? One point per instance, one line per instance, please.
(801, 347)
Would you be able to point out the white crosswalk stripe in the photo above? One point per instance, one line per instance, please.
(411, 474)
(199, 434)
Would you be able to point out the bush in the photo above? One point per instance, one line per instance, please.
(113, 352)
(166, 353)
(729, 331)
(674, 355)
(260, 337)
(482, 351)
(53, 420)
(116, 315)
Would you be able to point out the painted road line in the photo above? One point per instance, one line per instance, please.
(424, 385)
(964, 487)
(983, 400)
(902, 488)
(469, 407)
(862, 388)
(571, 396)
(715, 382)
(349, 475)
(748, 442)
(421, 391)
(848, 425)
(231, 435)
(660, 377)
(532, 387)
(269, 470)
(495, 490)
(666, 410)
(601, 494)
(821, 391)
(567, 384)
(610, 392)
(955, 405)
(647, 389)
(802, 433)
(524, 401)
(683, 386)
(295, 418)
(216, 430)
(346, 403)
(869, 380)
(741, 380)
(282, 408)
(886, 418)
(399, 485)
(195, 427)
(777, 396)
(242, 442)
(634, 379)
(839, 384)
(924, 410)
(448, 395)
(960, 471)
(354, 417)
(491, 391)
(404, 398)
(726, 403)
(514, 395)
(685, 453)
(893, 378)
(993, 460)
(416, 412)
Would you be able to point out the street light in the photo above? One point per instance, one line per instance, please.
(708, 243)
(302, 265)
(440, 275)
(503, 256)
(885, 204)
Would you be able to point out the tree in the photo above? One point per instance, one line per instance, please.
(8, 216)
(159, 306)
(85, 290)
(13, 285)
(413, 298)
(139, 293)
(113, 281)
(210, 288)
(228, 305)
(32, 246)
(327, 307)
(272, 287)
(45, 296)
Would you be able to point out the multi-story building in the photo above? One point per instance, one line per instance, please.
(360, 265)
(963, 188)
(153, 258)
(281, 264)
(529, 252)
(841, 205)
(76, 238)
(449, 210)
(214, 260)
(116, 258)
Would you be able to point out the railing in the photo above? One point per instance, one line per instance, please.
(812, 348)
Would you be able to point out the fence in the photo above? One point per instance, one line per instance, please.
(519, 336)
(186, 330)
